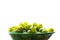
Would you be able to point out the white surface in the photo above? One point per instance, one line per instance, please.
(46, 12)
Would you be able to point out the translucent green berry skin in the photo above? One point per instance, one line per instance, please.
(44, 31)
(50, 30)
(39, 26)
(20, 24)
(10, 29)
(33, 30)
(20, 29)
(40, 30)
(25, 23)
(34, 24)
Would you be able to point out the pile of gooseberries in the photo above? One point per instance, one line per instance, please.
(30, 28)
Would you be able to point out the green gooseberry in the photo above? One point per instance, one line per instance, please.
(33, 30)
(10, 29)
(20, 29)
(15, 27)
(27, 27)
(21, 24)
(41, 29)
(34, 24)
(25, 23)
(39, 26)
(50, 30)
(44, 30)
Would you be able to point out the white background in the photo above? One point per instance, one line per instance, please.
(13, 12)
